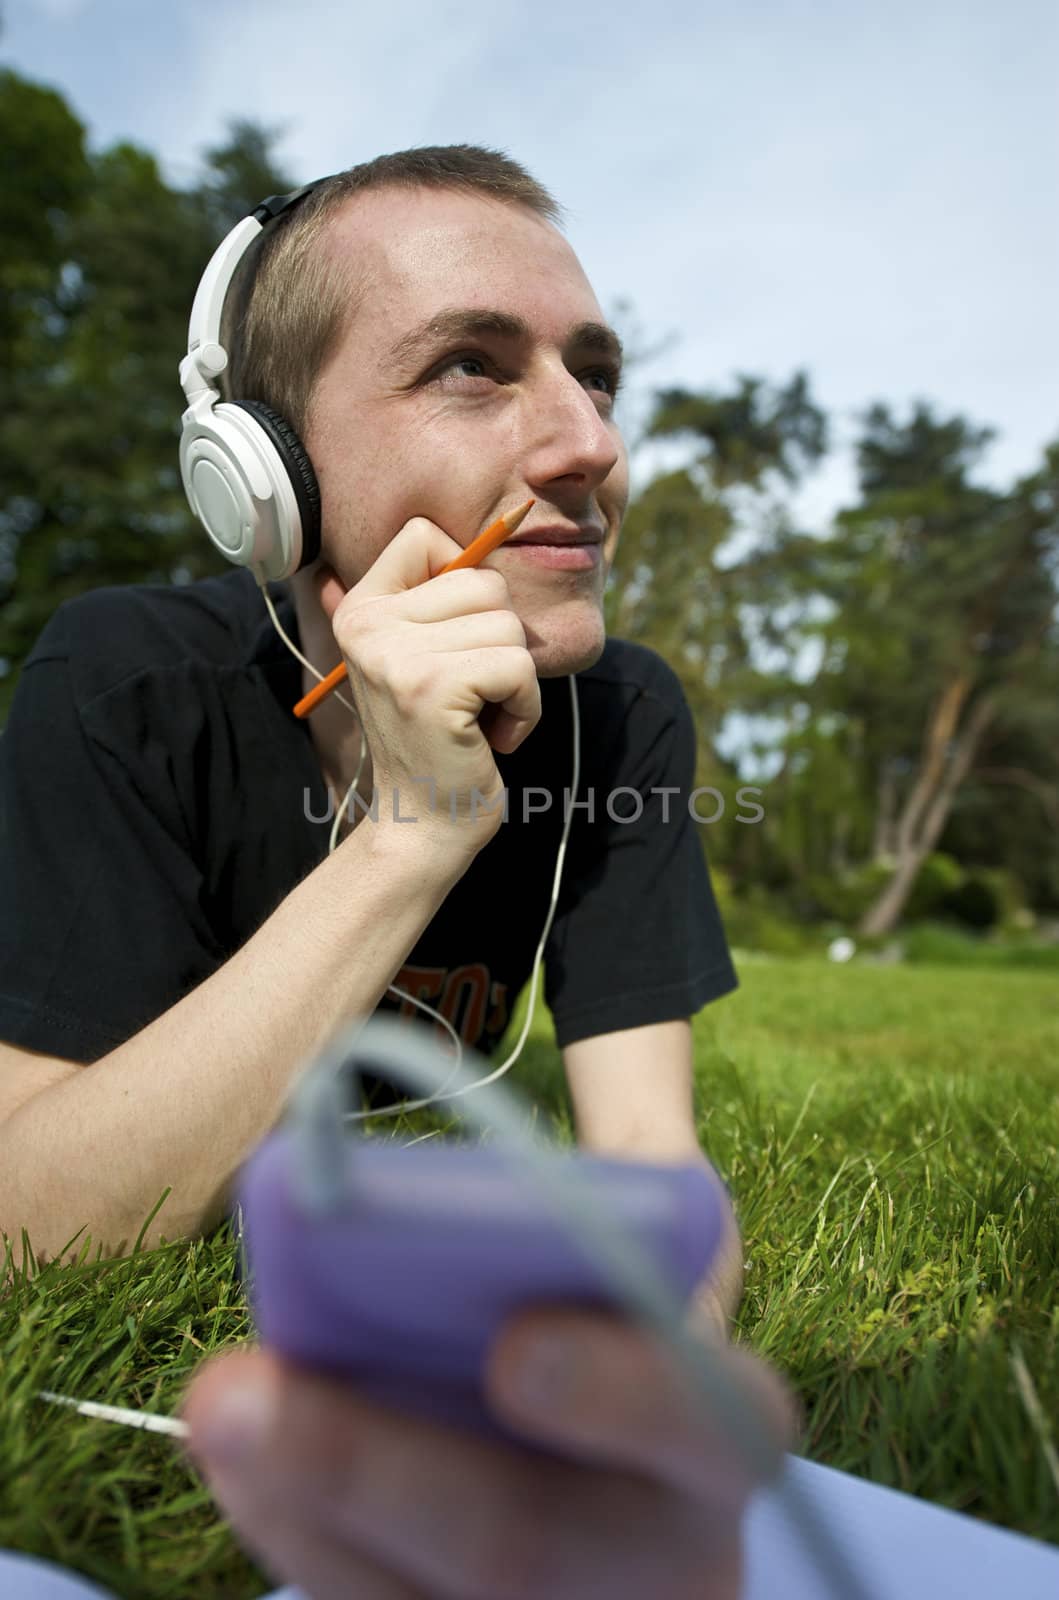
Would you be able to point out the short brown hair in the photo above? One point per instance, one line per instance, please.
(286, 305)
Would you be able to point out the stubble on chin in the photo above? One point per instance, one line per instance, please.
(558, 657)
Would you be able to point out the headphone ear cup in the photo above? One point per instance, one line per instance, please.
(299, 469)
(252, 486)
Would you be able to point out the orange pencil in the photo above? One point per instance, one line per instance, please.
(475, 552)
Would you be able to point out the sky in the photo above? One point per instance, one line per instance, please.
(863, 190)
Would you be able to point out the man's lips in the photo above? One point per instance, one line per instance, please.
(557, 536)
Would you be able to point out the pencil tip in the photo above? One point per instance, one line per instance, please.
(513, 518)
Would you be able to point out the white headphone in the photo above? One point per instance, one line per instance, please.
(249, 480)
(246, 473)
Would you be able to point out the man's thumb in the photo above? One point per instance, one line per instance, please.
(417, 552)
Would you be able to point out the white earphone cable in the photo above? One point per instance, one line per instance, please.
(174, 1425)
(416, 1105)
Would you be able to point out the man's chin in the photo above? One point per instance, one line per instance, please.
(559, 658)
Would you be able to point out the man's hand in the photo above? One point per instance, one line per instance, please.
(343, 1497)
(426, 661)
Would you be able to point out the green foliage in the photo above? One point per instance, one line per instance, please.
(930, 590)
(846, 896)
(90, 489)
(750, 434)
(945, 945)
(45, 171)
(974, 902)
(753, 921)
(666, 590)
(1007, 817)
(670, 585)
(984, 899)
(938, 878)
(240, 173)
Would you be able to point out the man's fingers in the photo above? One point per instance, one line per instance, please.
(620, 1397)
(462, 1517)
(501, 730)
(504, 676)
(457, 594)
(295, 1551)
(478, 630)
(448, 594)
(442, 1508)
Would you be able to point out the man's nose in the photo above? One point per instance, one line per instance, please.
(569, 432)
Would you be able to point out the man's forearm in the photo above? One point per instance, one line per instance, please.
(184, 1101)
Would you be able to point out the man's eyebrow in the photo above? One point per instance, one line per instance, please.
(460, 322)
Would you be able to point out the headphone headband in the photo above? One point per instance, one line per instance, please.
(204, 327)
(246, 473)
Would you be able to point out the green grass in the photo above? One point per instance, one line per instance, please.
(890, 1136)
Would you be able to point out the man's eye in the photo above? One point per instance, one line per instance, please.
(457, 361)
(613, 376)
(611, 373)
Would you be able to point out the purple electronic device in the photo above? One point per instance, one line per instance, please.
(403, 1284)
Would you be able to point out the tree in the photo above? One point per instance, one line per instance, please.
(240, 173)
(46, 170)
(90, 490)
(931, 604)
(978, 588)
(671, 586)
(1006, 816)
(750, 435)
(942, 600)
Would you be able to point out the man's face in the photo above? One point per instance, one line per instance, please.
(468, 426)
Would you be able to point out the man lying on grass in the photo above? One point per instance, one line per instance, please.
(173, 918)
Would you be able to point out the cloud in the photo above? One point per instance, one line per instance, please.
(350, 84)
(59, 10)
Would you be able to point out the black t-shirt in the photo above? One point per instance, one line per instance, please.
(158, 800)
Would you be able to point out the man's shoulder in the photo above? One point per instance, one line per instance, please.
(116, 632)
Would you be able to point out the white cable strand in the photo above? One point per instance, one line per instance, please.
(416, 1105)
(633, 1275)
(635, 1279)
(149, 1421)
(293, 648)
(315, 1116)
(340, 813)
(145, 1419)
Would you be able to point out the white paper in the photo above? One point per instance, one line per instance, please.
(902, 1549)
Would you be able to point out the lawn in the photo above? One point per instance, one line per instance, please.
(891, 1137)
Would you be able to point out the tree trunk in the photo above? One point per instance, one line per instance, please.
(927, 809)
(887, 907)
(884, 839)
(940, 730)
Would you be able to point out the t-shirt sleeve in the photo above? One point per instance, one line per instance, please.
(637, 936)
(101, 929)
